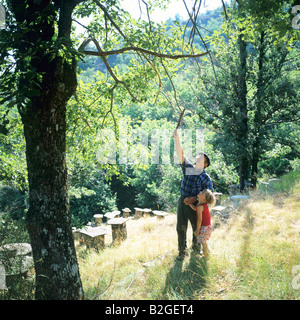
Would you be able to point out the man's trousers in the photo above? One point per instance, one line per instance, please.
(184, 214)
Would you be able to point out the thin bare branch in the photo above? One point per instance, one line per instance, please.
(173, 86)
(205, 45)
(102, 7)
(148, 15)
(180, 118)
(110, 111)
(224, 9)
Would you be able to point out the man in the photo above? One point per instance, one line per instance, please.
(195, 179)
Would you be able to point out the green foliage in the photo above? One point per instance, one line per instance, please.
(12, 231)
(272, 14)
(12, 202)
(95, 197)
(146, 181)
(168, 190)
(271, 87)
(287, 184)
(13, 171)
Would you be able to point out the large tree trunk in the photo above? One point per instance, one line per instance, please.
(48, 218)
(254, 163)
(42, 105)
(258, 115)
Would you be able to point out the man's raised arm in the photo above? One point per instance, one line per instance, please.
(178, 146)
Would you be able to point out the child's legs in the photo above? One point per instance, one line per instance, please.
(196, 245)
(203, 237)
(205, 249)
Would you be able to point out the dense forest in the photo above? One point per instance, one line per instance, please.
(239, 99)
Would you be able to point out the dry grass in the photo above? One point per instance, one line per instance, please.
(118, 272)
(252, 256)
(254, 253)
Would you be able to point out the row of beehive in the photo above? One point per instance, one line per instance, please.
(93, 236)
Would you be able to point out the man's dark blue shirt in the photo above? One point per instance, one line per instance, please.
(193, 181)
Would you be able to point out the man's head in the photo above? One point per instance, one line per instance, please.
(202, 161)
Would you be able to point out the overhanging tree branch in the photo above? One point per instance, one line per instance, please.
(110, 69)
(104, 54)
(137, 49)
(143, 53)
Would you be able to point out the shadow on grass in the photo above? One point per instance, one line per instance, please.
(185, 281)
(245, 257)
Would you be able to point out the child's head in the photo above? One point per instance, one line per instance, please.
(207, 196)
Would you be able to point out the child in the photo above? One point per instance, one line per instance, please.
(204, 228)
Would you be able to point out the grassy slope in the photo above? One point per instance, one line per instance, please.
(252, 255)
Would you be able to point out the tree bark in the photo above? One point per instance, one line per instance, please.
(48, 217)
(42, 105)
(258, 117)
